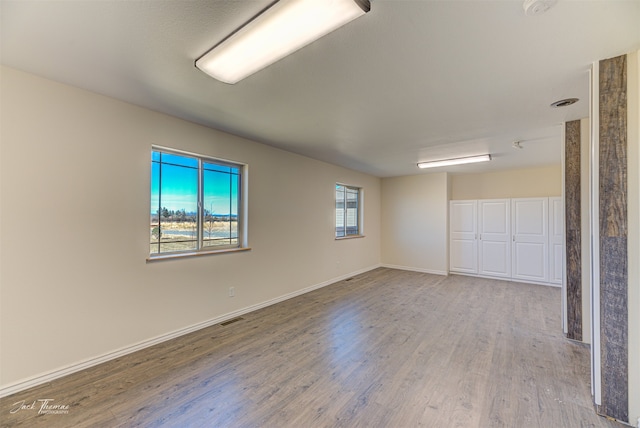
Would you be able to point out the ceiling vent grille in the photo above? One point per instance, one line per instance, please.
(537, 7)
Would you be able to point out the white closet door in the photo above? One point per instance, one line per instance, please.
(556, 241)
(494, 245)
(530, 226)
(463, 244)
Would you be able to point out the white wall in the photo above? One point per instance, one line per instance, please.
(515, 183)
(414, 222)
(74, 225)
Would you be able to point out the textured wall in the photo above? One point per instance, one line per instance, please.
(573, 229)
(613, 238)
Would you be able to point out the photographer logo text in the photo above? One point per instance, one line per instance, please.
(44, 406)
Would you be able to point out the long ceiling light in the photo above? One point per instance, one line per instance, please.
(456, 161)
(280, 30)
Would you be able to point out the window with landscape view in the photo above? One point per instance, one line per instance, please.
(195, 203)
(347, 211)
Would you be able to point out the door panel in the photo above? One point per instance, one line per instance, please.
(530, 249)
(463, 232)
(529, 260)
(495, 258)
(463, 256)
(494, 254)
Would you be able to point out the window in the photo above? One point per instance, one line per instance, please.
(347, 211)
(195, 203)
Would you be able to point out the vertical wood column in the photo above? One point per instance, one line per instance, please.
(573, 229)
(613, 239)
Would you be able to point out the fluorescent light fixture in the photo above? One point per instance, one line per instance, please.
(456, 161)
(280, 30)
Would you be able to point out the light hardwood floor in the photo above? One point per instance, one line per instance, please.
(387, 348)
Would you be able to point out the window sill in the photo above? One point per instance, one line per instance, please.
(340, 238)
(195, 254)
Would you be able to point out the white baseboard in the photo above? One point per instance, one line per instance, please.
(90, 362)
(502, 278)
(415, 269)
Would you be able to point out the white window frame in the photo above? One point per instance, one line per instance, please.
(242, 239)
(359, 214)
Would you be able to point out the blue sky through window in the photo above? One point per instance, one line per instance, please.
(174, 185)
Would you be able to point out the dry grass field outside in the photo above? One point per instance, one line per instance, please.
(173, 236)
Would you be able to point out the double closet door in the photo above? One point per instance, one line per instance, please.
(507, 238)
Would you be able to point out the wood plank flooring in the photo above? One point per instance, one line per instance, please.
(387, 348)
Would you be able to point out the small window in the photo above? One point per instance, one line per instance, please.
(348, 199)
(195, 203)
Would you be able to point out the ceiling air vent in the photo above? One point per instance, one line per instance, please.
(565, 102)
(537, 7)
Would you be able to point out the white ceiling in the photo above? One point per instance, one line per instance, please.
(412, 80)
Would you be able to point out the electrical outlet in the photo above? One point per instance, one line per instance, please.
(232, 291)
